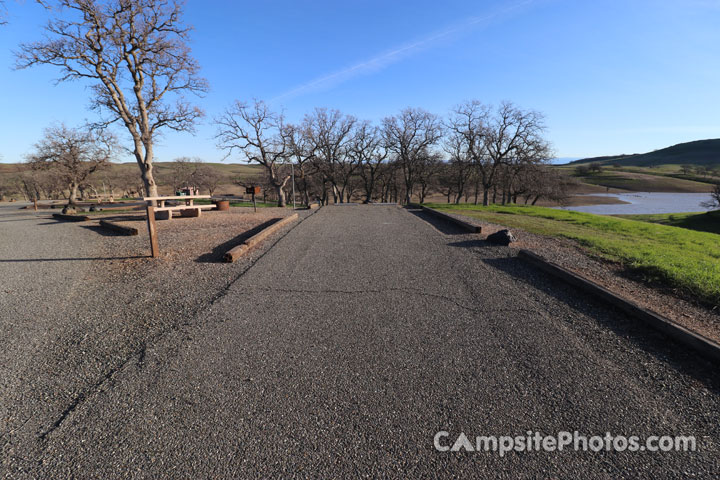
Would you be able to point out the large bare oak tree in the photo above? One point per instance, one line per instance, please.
(411, 135)
(261, 136)
(135, 54)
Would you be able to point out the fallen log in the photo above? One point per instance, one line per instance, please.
(71, 218)
(236, 252)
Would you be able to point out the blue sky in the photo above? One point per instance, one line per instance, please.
(611, 76)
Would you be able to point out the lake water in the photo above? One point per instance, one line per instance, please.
(647, 203)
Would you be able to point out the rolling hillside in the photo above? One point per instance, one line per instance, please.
(700, 153)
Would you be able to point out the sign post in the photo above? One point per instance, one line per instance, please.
(253, 191)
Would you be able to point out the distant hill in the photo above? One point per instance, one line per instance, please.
(700, 152)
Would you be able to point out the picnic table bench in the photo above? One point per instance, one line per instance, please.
(189, 209)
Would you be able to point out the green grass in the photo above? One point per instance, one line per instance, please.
(677, 257)
(701, 222)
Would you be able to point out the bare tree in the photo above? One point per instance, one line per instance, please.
(135, 54)
(179, 173)
(301, 154)
(329, 133)
(207, 177)
(595, 167)
(714, 201)
(73, 154)
(536, 182)
(367, 149)
(468, 134)
(582, 170)
(260, 135)
(460, 146)
(427, 171)
(411, 135)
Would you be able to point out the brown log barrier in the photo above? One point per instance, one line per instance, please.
(698, 343)
(71, 218)
(467, 226)
(121, 229)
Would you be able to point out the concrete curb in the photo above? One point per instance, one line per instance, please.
(130, 231)
(71, 218)
(237, 252)
(467, 226)
(704, 346)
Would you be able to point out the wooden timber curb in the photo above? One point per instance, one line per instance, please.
(704, 346)
(467, 226)
(71, 218)
(123, 230)
(236, 252)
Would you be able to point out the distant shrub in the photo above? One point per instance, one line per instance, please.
(582, 170)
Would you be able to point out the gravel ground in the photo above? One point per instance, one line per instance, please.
(672, 303)
(344, 348)
(79, 302)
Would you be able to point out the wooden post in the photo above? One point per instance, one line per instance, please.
(152, 231)
(254, 205)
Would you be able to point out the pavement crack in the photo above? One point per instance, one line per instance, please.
(139, 354)
(80, 398)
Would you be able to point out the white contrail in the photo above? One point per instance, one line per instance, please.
(388, 58)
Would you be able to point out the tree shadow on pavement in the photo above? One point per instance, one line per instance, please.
(660, 346)
(218, 253)
(443, 226)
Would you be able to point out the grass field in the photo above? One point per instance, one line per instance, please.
(699, 152)
(677, 257)
(701, 222)
(638, 179)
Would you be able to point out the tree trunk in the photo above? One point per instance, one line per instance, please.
(148, 179)
(280, 190)
(280, 194)
(72, 199)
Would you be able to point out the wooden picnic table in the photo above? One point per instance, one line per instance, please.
(189, 204)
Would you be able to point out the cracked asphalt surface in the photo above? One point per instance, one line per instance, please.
(357, 337)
